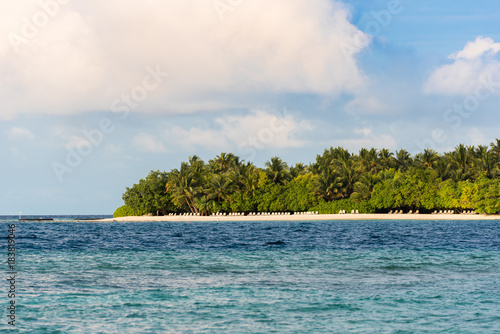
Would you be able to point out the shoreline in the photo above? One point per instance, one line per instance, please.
(311, 217)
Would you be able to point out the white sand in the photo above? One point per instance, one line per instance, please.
(361, 216)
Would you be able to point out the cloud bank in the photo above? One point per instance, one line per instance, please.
(475, 64)
(257, 130)
(61, 57)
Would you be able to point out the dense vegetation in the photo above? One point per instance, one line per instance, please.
(467, 178)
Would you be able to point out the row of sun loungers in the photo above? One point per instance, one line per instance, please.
(269, 213)
(282, 213)
(401, 212)
(436, 212)
(443, 212)
(184, 214)
(451, 212)
(228, 214)
(263, 213)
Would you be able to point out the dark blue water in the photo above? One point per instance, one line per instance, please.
(259, 277)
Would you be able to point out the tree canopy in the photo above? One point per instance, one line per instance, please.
(374, 180)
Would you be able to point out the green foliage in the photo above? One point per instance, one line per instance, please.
(414, 189)
(448, 196)
(125, 211)
(277, 171)
(468, 193)
(467, 178)
(487, 197)
(299, 193)
(348, 205)
(271, 198)
(150, 195)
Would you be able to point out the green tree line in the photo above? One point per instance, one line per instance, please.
(373, 180)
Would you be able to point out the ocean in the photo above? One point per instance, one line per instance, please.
(253, 277)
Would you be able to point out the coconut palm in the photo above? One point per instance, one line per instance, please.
(222, 162)
(246, 178)
(444, 166)
(220, 188)
(277, 171)
(185, 187)
(485, 162)
(364, 187)
(368, 160)
(461, 160)
(427, 159)
(196, 165)
(462, 156)
(385, 158)
(495, 147)
(327, 185)
(298, 169)
(403, 160)
(348, 174)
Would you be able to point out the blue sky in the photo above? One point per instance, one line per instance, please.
(96, 95)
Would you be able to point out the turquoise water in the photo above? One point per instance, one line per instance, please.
(260, 277)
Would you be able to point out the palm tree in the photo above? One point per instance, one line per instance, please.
(298, 169)
(341, 154)
(403, 160)
(184, 186)
(364, 187)
(246, 178)
(427, 159)
(461, 160)
(485, 162)
(196, 165)
(362, 159)
(495, 147)
(222, 162)
(277, 171)
(314, 168)
(368, 160)
(327, 185)
(220, 188)
(348, 175)
(444, 166)
(462, 156)
(386, 158)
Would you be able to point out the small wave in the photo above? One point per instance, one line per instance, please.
(276, 243)
(238, 245)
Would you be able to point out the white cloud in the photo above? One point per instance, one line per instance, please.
(473, 50)
(257, 129)
(90, 53)
(21, 133)
(196, 137)
(473, 64)
(148, 143)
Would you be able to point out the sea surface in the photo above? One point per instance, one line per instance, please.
(254, 277)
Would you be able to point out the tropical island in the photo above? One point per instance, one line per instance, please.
(464, 181)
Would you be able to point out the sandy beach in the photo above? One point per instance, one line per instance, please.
(297, 217)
